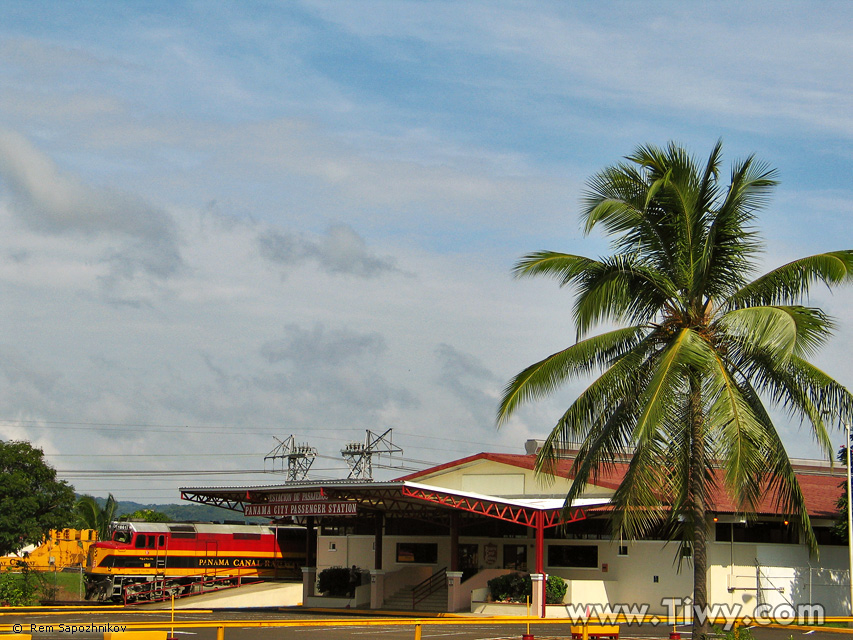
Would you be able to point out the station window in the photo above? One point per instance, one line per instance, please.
(573, 556)
(779, 532)
(417, 552)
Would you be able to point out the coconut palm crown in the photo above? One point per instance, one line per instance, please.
(90, 515)
(703, 349)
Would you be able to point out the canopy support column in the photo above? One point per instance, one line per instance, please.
(379, 523)
(454, 541)
(310, 543)
(540, 563)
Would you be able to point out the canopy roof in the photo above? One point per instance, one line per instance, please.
(402, 497)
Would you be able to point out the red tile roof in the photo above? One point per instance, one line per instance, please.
(821, 486)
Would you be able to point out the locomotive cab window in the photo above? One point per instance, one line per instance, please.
(140, 541)
(161, 541)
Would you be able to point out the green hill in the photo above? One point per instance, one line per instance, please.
(185, 512)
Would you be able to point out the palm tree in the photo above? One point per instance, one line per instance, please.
(90, 515)
(702, 348)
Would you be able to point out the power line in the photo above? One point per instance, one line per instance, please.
(155, 455)
(224, 429)
(77, 425)
(145, 473)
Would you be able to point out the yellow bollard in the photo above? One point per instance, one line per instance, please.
(220, 633)
(528, 635)
(417, 632)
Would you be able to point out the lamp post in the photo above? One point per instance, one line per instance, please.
(849, 518)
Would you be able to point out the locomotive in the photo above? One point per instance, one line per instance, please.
(149, 561)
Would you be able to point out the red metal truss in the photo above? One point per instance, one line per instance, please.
(406, 500)
(226, 502)
(501, 511)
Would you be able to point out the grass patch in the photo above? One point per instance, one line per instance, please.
(68, 584)
(30, 587)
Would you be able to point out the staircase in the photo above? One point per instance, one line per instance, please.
(402, 601)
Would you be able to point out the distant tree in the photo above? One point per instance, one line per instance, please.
(146, 515)
(91, 515)
(32, 500)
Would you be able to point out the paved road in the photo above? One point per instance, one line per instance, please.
(52, 625)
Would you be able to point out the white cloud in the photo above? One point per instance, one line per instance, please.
(52, 202)
(749, 66)
(339, 250)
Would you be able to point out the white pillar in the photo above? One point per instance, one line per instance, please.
(309, 580)
(377, 588)
(454, 591)
(537, 602)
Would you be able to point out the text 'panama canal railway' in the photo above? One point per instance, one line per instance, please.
(146, 561)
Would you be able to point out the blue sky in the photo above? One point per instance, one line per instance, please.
(255, 219)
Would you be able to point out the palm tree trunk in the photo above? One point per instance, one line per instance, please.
(697, 496)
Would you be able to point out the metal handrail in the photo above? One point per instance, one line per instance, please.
(429, 586)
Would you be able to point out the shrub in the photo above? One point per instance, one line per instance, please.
(338, 581)
(516, 587)
(555, 590)
(512, 587)
(24, 588)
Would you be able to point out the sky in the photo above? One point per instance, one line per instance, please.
(223, 223)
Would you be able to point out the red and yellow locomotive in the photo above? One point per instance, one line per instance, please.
(145, 560)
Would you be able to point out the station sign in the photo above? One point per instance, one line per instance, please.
(283, 510)
(292, 497)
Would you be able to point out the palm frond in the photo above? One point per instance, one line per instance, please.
(600, 406)
(781, 479)
(617, 197)
(542, 378)
(666, 381)
(768, 329)
(563, 266)
(832, 398)
(730, 243)
(620, 289)
(807, 393)
(642, 501)
(789, 283)
(740, 436)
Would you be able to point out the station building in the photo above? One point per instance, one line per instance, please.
(436, 537)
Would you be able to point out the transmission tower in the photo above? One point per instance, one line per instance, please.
(299, 458)
(359, 455)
